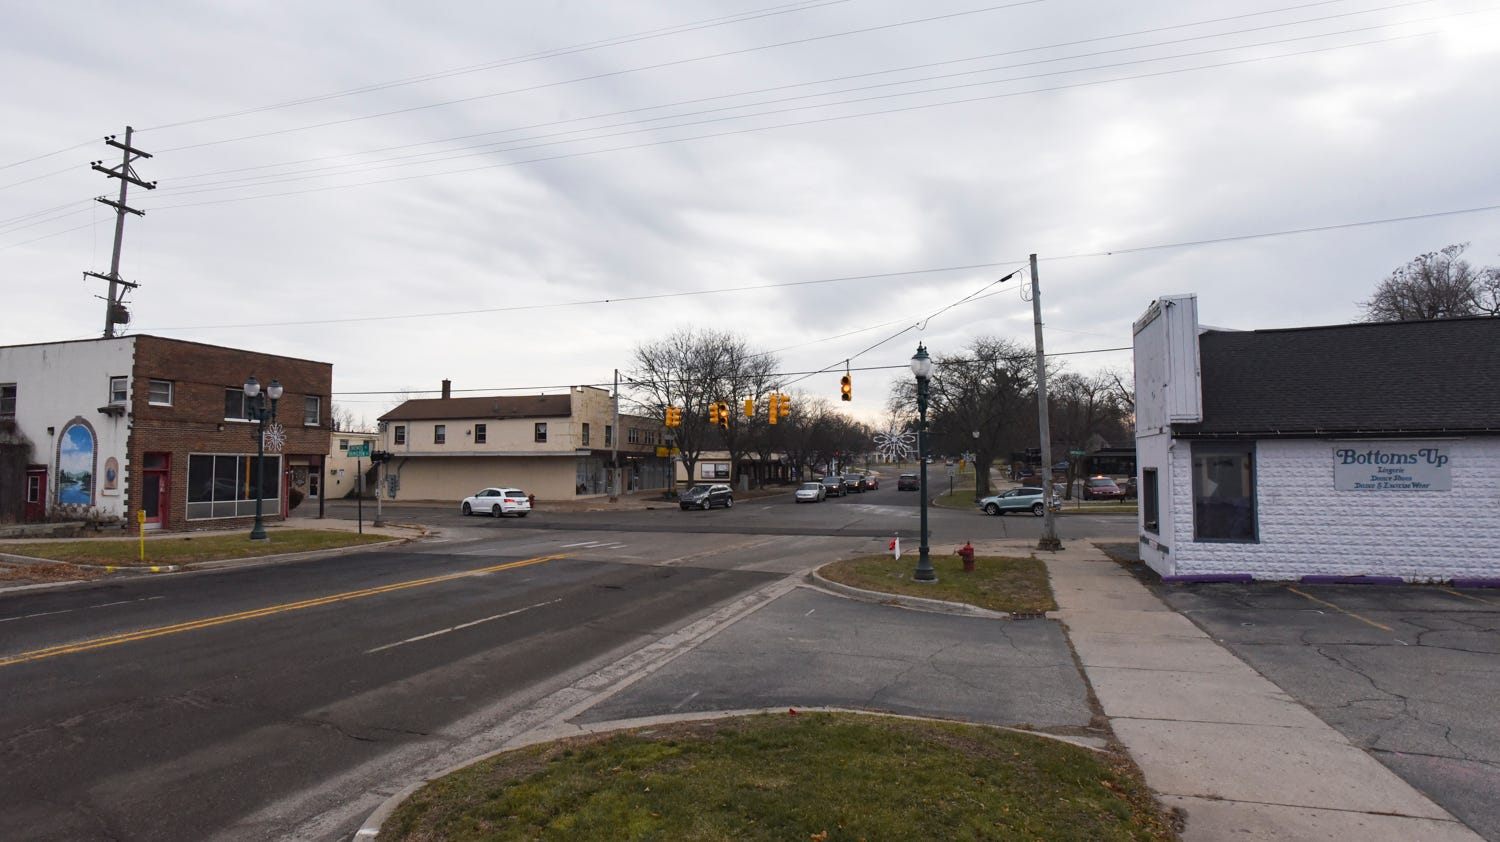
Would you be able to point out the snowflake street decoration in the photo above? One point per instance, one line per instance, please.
(275, 437)
(895, 444)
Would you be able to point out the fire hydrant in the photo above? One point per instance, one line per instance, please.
(966, 552)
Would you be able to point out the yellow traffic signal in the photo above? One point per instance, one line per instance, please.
(713, 413)
(724, 414)
(749, 407)
(846, 385)
(773, 405)
(674, 416)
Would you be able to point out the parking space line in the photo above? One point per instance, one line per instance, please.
(1364, 620)
(1467, 596)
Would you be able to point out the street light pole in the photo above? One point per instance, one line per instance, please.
(256, 407)
(921, 366)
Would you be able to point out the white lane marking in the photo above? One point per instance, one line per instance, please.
(459, 627)
(691, 696)
(809, 612)
(29, 616)
(579, 544)
(127, 601)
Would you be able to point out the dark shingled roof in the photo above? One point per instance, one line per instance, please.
(1428, 377)
(523, 406)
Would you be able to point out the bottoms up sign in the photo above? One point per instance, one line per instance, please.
(1391, 466)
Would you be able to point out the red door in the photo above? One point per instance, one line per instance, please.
(36, 494)
(156, 488)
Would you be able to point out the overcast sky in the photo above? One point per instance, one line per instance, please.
(419, 191)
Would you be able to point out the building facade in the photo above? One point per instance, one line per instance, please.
(1364, 452)
(115, 427)
(341, 477)
(552, 446)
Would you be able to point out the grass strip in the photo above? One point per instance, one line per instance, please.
(186, 549)
(822, 777)
(998, 583)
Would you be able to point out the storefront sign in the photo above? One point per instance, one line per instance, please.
(1391, 466)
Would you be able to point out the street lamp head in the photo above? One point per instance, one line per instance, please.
(274, 390)
(252, 386)
(921, 364)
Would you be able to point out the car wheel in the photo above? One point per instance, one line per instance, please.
(992, 509)
(495, 511)
(706, 505)
(728, 502)
(1037, 509)
(468, 510)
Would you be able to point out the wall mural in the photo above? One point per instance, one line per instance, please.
(111, 476)
(75, 465)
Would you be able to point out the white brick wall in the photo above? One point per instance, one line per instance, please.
(1308, 527)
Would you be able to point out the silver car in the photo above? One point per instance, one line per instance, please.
(1024, 499)
(810, 492)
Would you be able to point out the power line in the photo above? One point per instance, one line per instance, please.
(620, 40)
(611, 73)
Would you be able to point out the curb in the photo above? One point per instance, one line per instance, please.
(916, 603)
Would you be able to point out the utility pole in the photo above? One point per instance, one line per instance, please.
(114, 310)
(1049, 540)
(614, 446)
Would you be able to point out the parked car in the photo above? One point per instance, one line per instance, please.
(498, 501)
(872, 482)
(908, 482)
(705, 496)
(811, 492)
(1027, 498)
(1129, 489)
(833, 485)
(1101, 488)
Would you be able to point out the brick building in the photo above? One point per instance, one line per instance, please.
(1362, 451)
(111, 427)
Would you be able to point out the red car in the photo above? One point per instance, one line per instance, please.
(1102, 488)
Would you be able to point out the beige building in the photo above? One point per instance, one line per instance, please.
(340, 470)
(556, 447)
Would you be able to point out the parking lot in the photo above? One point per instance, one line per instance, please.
(1410, 673)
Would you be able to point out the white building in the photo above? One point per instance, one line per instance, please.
(1366, 451)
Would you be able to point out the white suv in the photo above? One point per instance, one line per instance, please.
(499, 501)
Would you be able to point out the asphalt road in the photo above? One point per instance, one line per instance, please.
(1410, 673)
(283, 701)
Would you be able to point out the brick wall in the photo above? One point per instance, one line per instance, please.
(195, 422)
(1309, 527)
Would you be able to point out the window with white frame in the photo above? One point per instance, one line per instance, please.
(312, 411)
(400, 434)
(225, 485)
(541, 432)
(119, 391)
(159, 393)
(235, 404)
(343, 444)
(715, 470)
(633, 435)
(440, 434)
(481, 433)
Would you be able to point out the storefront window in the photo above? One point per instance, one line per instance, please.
(1224, 492)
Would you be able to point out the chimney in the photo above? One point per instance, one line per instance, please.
(447, 388)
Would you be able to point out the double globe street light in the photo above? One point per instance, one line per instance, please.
(921, 366)
(258, 408)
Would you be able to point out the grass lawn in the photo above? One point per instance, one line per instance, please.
(186, 549)
(997, 583)
(819, 777)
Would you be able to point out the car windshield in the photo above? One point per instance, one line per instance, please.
(811, 486)
(698, 489)
(1101, 482)
(827, 480)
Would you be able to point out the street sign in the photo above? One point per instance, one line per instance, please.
(359, 451)
(1077, 452)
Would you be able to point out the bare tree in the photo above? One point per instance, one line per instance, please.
(345, 421)
(1436, 285)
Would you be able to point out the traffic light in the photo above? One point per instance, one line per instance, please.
(773, 406)
(674, 416)
(846, 385)
(724, 414)
(749, 407)
(786, 406)
(713, 413)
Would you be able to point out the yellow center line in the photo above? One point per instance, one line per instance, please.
(1467, 596)
(1365, 620)
(208, 622)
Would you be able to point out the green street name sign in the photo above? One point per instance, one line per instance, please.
(359, 451)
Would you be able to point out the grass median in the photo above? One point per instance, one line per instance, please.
(187, 549)
(999, 583)
(821, 777)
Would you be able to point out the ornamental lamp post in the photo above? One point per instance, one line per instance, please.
(257, 408)
(921, 366)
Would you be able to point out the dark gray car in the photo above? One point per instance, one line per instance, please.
(704, 496)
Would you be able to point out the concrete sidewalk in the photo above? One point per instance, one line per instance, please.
(1215, 739)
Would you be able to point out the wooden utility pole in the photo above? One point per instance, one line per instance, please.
(114, 311)
(1049, 540)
